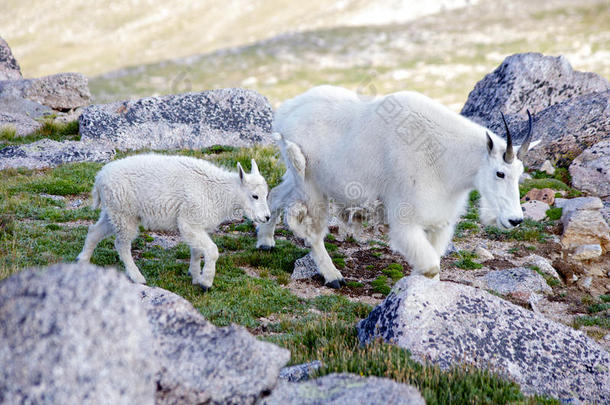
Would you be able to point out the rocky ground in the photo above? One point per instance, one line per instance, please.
(548, 279)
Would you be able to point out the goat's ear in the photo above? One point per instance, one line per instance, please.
(254, 167)
(242, 174)
(490, 143)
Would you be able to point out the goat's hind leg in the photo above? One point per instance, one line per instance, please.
(411, 241)
(126, 232)
(200, 242)
(310, 223)
(98, 231)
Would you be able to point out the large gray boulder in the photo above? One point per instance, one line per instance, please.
(565, 129)
(9, 68)
(234, 117)
(20, 123)
(344, 389)
(200, 362)
(590, 171)
(49, 153)
(527, 81)
(448, 324)
(73, 334)
(62, 91)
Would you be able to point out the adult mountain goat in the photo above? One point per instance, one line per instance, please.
(418, 158)
(172, 193)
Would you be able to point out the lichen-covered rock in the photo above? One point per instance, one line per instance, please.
(527, 81)
(20, 123)
(344, 389)
(587, 252)
(74, 334)
(234, 117)
(579, 203)
(49, 153)
(590, 171)
(543, 264)
(304, 268)
(515, 280)
(201, 362)
(448, 324)
(62, 91)
(9, 68)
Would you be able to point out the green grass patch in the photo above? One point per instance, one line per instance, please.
(49, 130)
(554, 213)
(354, 284)
(528, 231)
(466, 261)
(587, 320)
(380, 285)
(394, 271)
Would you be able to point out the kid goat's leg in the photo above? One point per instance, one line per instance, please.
(126, 232)
(96, 233)
(200, 242)
(276, 201)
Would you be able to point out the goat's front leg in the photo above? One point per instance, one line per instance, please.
(440, 238)
(199, 241)
(411, 241)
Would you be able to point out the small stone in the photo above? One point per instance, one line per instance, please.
(579, 203)
(518, 279)
(547, 167)
(344, 389)
(543, 264)
(53, 197)
(304, 268)
(587, 252)
(585, 227)
(300, 372)
(586, 282)
(535, 210)
(546, 195)
(76, 203)
(483, 254)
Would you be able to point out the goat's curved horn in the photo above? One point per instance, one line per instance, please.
(509, 155)
(526, 143)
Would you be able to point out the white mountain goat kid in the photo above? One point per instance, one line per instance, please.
(172, 193)
(417, 157)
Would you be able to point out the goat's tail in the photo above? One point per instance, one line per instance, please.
(95, 195)
(292, 154)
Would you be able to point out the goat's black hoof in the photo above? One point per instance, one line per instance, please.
(266, 248)
(342, 282)
(204, 288)
(333, 284)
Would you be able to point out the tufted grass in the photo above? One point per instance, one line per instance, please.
(38, 231)
(52, 130)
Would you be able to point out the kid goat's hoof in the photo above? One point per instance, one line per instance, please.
(336, 284)
(266, 248)
(204, 288)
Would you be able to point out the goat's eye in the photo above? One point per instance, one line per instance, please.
(255, 197)
(500, 175)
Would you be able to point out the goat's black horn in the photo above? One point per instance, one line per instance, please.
(509, 155)
(526, 142)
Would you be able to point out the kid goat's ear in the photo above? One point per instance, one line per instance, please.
(254, 167)
(242, 174)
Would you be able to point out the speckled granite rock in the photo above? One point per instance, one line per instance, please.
(18, 105)
(235, 117)
(590, 171)
(344, 389)
(299, 372)
(200, 362)
(565, 129)
(304, 268)
(9, 68)
(73, 334)
(527, 81)
(62, 91)
(447, 323)
(48, 153)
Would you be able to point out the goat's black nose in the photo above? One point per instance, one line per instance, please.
(515, 222)
(267, 217)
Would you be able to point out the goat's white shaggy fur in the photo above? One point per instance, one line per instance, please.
(172, 193)
(418, 158)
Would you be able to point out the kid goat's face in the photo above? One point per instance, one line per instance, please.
(254, 194)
